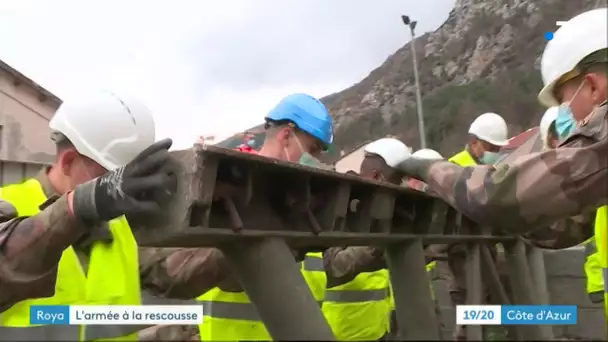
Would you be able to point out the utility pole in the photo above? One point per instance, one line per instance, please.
(421, 130)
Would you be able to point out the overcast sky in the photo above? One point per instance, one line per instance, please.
(202, 66)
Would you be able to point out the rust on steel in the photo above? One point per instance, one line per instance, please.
(224, 194)
(255, 209)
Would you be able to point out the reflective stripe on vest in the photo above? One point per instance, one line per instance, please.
(231, 316)
(229, 310)
(247, 311)
(112, 279)
(593, 271)
(313, 264)
(590, 248)
(354, 296)
(605, 274)
(360, 308)
(40, 333)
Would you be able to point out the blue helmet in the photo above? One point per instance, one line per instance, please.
(307, 113)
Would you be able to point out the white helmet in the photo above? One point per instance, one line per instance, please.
(393, 151)
(490, 127)
(109, 129)
(545, 123)
(572, 42)
(427, 153)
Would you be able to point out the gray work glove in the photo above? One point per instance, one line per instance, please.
(416, 167)
(133, 189)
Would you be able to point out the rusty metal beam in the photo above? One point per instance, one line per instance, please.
(211, 237)
(255, 209)
(225, 195)
(416, 316)
(521, 285)
(274, 284)
(538, 274)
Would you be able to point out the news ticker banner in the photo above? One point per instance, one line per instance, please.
(516, 314)
(193, 314)
(116, 314)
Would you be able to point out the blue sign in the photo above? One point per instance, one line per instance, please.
(538, 314)
(49, 314)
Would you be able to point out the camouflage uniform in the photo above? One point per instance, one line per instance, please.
(534, 190)
(30, 249)
(343, 264)
(531, 193)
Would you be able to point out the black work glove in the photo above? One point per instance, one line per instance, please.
(131, 189)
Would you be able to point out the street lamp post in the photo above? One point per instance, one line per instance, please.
(412, 26)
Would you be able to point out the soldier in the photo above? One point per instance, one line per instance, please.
(487, 134)
(361, 270)
(592, 268)
(298, 129)
(545, 187)
(357, 302)
(63, 232)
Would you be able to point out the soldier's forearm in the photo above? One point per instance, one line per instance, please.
(351, 261)
(183, 273)
(564, 233)
(30, 250)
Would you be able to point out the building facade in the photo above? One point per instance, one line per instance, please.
(351, 161)
(25, 111)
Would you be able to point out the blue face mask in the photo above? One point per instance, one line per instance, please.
(564, 123)
(489, 158)
(251, 143)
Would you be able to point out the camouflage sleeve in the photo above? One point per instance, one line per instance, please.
(564, 233)
(30, 249)
(531, 192)
(343, 264)
(181, 273)
(534, 190)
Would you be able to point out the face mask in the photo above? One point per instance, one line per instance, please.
(307, 159)
(565, 123)
(251, 143)
(489, 158)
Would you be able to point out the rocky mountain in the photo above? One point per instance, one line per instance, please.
(485, 57)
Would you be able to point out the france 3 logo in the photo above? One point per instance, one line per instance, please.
(549, 35)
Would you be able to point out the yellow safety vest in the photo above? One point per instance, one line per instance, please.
(463, 159)
(359, 310)
(112, 279)
(601, 239)
(593, 272)
(230, 316)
